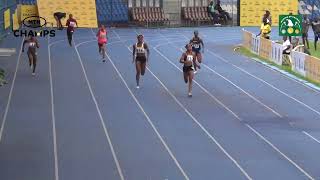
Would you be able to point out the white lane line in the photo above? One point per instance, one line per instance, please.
(149, 120)
(275, 148)
(315, 139)
(116, 34)
(236, 86)
(53, 118)
(200, 125)
(4, 119)
(237, 117)
(201, 87)
(100, 117)
(263, 81)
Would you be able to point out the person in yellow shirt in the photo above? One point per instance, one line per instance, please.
(265, 29)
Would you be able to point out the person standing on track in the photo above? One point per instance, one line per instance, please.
(58, 16)
(140, 57)
(32, 53)
(71, 24)
(188, 59)
(197, 44)
(102, 41)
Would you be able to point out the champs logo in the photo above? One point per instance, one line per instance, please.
(290, 25)
(35, 26)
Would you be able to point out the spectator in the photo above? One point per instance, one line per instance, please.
(222, 13)
(267, 15)
(305, 30)
(265, 29)
(286, 45)
(316, 29)
(58, 16)
(213, 12)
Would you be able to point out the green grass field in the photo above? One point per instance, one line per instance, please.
(312, 51)
(244, 51)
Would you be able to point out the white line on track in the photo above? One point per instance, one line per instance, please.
(236, 86)
(100, 117)
(275, 148)
(11, 91)
(268, 84)
(237, 117)
(200, 125)
(149, 121)
(54, 132)
(315, 139)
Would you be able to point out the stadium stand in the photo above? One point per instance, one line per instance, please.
(151, 15)
(112, 11)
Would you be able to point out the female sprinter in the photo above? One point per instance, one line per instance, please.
(188, 58)
(140, 57)
(102, 41)
(32, 53)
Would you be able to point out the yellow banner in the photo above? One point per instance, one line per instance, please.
(28, 11)
(252, 11)
(84, 11)
(7, 19)
(265, 48)
(313, 68)
(15, 24)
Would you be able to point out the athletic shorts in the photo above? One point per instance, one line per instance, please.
(141, 59)
(187, 69)
(101, 44)
(196, 50)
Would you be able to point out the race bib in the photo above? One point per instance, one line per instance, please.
(32, 44)
(190, 58)
(196, 46)
(72, 24)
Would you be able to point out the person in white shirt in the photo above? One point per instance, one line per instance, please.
(286, 45)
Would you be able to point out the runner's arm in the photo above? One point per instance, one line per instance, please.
(182, 58)
(148, 51)
(133, 53)
(24, 42)
(37, 44)
(202, 44)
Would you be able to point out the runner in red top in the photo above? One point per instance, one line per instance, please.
(71, 23)
(102, 41)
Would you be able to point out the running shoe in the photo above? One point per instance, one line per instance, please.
(189, 95)
(137, 87)
(33, 74)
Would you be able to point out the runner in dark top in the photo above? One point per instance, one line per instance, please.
(188, 59)
(71, 24)
(305, 29)
(58, 16)
(32, 53)
(140, 57)
(316, 29)
(197, 44)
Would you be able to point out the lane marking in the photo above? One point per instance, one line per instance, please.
(4, 119)
(200, 125)
(100, 117)
(53, 118)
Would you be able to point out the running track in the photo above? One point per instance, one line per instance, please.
(81, 119)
